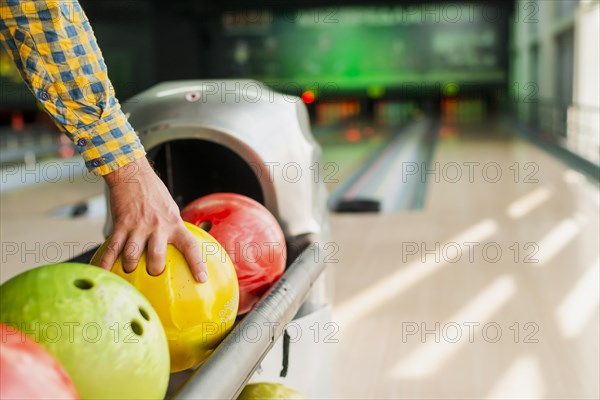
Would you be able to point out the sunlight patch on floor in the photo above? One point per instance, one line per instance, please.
(430, 356)
(581, 303)
(557, 239)
(409, 275)
(529, 202)
(522, 380)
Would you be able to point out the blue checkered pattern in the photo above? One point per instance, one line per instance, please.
(54, 48)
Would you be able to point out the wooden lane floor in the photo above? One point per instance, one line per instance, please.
(33, 230)
(490, 291)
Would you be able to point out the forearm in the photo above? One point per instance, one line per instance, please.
(54, 48)
(133, 173)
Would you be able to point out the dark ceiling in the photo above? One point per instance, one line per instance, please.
(124, 9)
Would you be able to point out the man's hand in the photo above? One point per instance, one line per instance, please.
(145, 216)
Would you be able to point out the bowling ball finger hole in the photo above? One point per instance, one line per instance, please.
(206, 225)
(137, 328)
(83, 284)
(144, 314)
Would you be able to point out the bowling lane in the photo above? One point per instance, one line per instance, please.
(347, 148)
(367, 168)
(385, 178)
(490, 291)
(35, 228)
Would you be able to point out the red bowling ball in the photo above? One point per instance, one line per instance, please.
(28, 371)
(250, 235)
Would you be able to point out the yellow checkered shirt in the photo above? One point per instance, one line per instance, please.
(54, 48)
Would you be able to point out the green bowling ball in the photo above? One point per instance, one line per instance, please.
(269, 391)
(102, 330)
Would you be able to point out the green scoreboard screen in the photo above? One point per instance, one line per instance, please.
(366, 48)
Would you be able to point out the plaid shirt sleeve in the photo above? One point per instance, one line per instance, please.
(54, 48)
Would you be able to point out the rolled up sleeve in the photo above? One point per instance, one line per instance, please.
(56, 53)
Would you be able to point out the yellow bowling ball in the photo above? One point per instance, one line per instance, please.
(195, 316)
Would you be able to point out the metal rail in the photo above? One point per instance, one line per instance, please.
(233, 362)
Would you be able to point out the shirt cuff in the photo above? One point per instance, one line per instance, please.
(108, 144)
